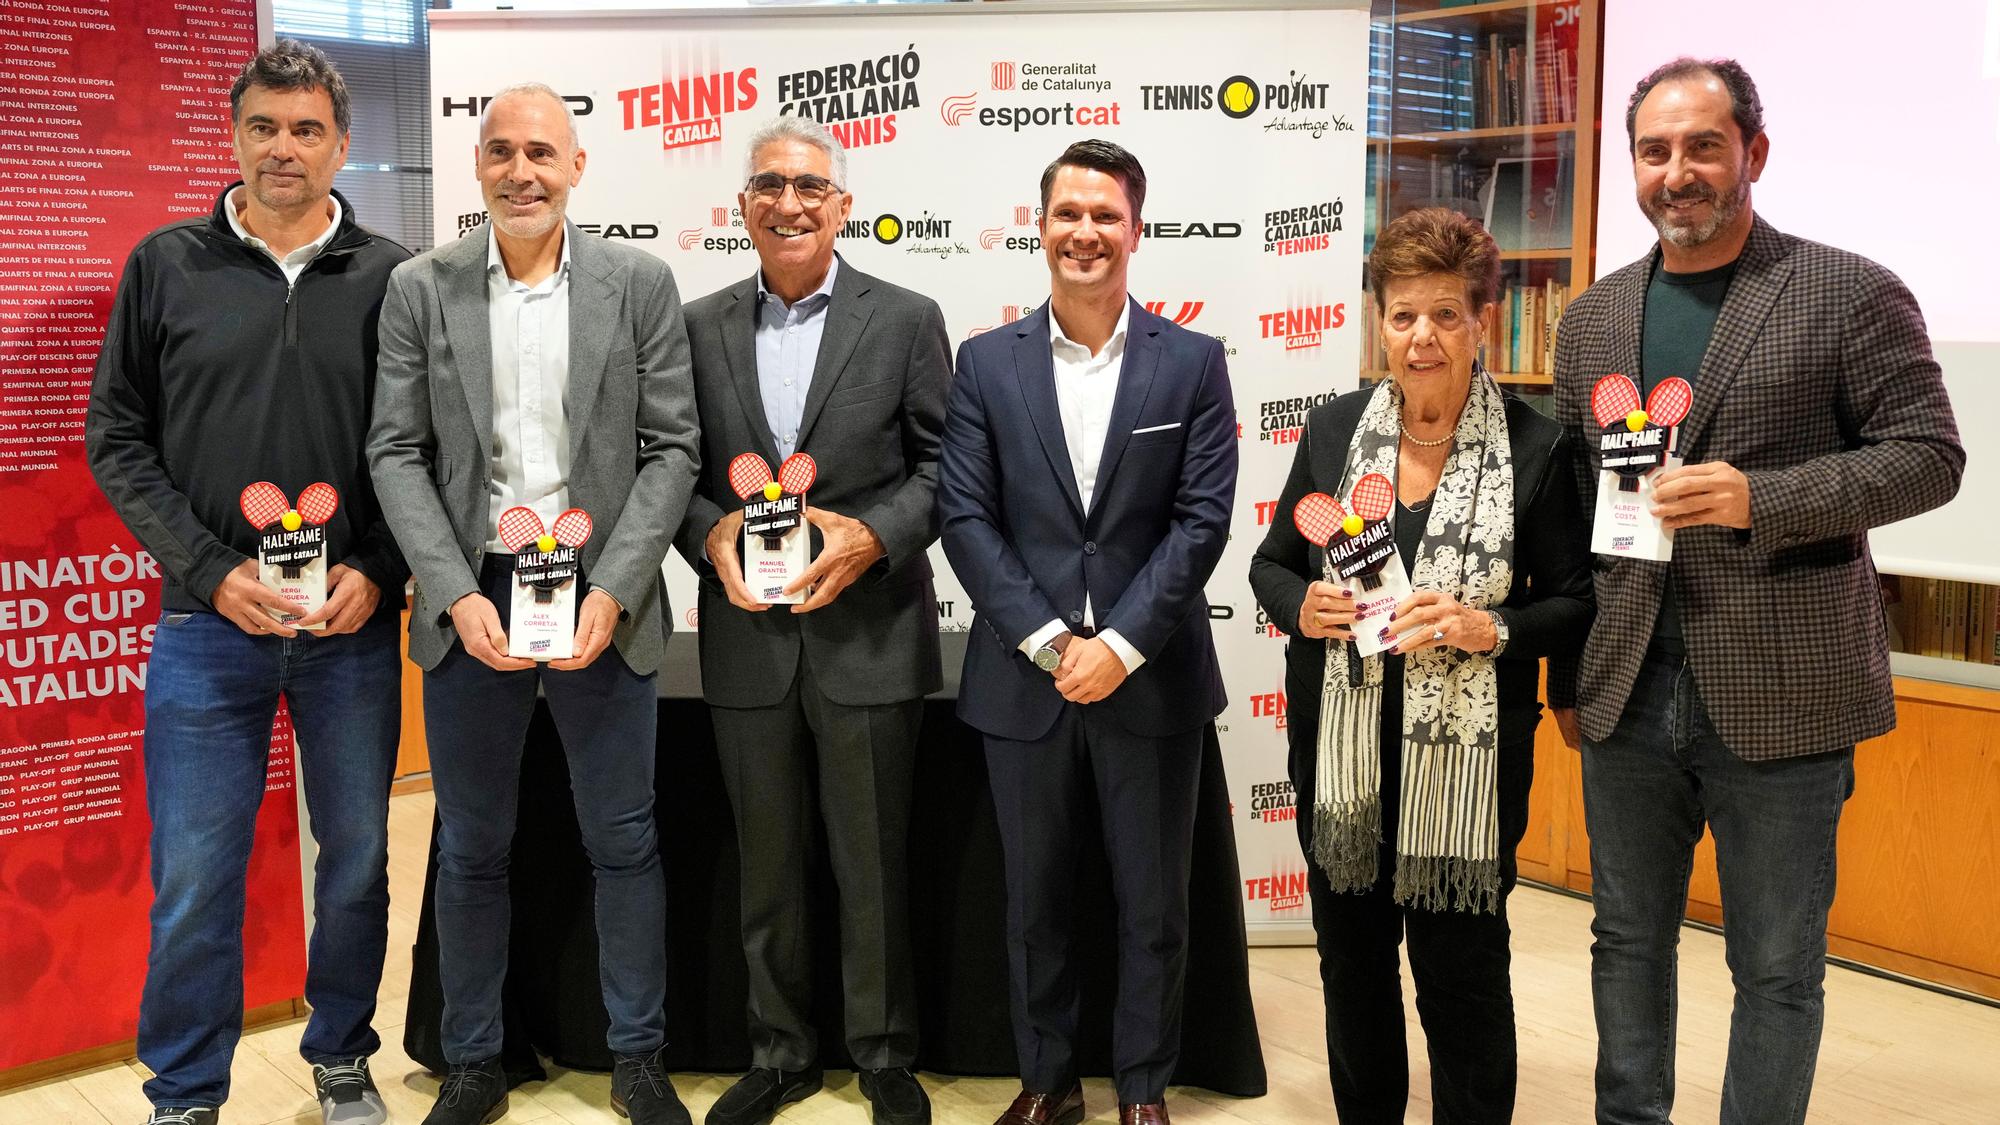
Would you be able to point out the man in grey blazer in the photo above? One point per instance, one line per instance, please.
(529, 364)
(817, 705)
(1730, 686)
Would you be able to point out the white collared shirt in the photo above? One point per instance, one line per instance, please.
(295, 262)
(529, 326)
(1086, 390)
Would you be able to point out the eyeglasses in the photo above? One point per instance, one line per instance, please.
(813, 190)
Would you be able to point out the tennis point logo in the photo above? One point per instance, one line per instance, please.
(1302, 326)
(688, 110)
(956, 109)
(1237, 96)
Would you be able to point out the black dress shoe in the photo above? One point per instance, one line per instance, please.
(759, 1095)
(641, 1090)
(472, 1094)
(897, 1097)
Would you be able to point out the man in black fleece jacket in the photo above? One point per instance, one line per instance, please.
(241, 348)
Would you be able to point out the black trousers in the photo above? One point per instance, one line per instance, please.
(789, 769)
(1460, 961)
(1090, 775)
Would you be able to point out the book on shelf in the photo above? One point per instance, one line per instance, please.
(1942, 619)
(1447, 77)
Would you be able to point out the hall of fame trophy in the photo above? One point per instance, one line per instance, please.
(777, 546)
(542, 625)
(1359, 542)
(1633, 445)
(291, 544)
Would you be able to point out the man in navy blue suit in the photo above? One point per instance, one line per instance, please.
(1085, 481)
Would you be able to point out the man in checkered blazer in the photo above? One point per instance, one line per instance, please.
(1730, 686)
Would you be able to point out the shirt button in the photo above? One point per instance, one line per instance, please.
(788, 382)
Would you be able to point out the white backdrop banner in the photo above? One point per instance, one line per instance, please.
(1250, 123)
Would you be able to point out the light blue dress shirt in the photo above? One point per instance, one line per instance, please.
(787, 348)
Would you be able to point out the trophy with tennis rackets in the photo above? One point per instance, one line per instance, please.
(776, 547)
(1633, 444)
(542, 622)
(1359, 542)
(291, 544)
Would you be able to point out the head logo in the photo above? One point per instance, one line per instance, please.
(957, 108)
(1238, 96)
(1188, 310)
(1003, 76)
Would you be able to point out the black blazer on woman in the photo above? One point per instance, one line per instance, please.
(1547, 609)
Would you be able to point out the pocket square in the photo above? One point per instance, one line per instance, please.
(1157, 429)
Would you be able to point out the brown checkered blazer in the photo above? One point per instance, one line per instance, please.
(1819, 385)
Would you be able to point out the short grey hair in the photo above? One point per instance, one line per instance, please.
(569, 115)
(803, 129)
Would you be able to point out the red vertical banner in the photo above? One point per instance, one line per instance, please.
(114, 119)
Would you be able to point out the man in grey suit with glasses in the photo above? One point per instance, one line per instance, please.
(817, 704)
(532, 365)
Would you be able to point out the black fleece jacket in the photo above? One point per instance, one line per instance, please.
(216, 373)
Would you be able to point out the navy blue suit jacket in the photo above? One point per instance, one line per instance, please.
(1027, 553)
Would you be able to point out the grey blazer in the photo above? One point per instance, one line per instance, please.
(872, 418)
(1818, 385)
(634, 443)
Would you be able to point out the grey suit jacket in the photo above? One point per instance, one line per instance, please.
(1818, 385)
(634, 443)
(872, 418)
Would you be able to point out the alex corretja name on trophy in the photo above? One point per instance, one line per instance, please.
(291, 544)
(1359, 545)
(1632, 445)
(542, 622)
(776, 547)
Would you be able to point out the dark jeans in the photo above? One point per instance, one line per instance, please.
(1143, 792)
(1459, 962)
(476, 720)
(1647, 791)
(211, 695)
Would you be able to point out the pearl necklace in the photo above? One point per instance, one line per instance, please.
(1415, 440)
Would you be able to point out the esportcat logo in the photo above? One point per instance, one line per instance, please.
(733, 240)
(955, 110)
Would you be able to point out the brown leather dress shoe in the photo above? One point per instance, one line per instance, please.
(1062, 1108)
(1152, 1113)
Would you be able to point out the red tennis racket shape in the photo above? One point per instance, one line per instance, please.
(797, 474)
(264, 504)
(1318, 516)
(1373, 498)
(1613, 400)
(1669, 402)
(522, 531)
(318, 503)
(748, 474)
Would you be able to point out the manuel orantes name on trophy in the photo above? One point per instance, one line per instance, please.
(291, 543)
(542, 624)
(1633, 444)
(776, 547)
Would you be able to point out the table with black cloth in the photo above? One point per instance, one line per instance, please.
(553, 1007)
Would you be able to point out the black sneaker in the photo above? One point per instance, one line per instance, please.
(896, 1095)
(192, 1115)
(641, 1090)
(347, 1093)
(759, 1095)
(472, 1094)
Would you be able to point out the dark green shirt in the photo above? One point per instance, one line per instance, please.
(1681, 309)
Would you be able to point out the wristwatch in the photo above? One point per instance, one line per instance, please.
(1049, 657)
(1499, 633)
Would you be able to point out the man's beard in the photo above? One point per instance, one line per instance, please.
(1724, 211)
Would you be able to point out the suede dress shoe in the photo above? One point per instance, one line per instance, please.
(471, 1094)
(641, 1091)
(1064, 1107)
(895, 1097)
(1148, 1113)
(759, 1095)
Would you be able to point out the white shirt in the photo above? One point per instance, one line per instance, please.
(293, 263)
(1086, 389)
(529, 326)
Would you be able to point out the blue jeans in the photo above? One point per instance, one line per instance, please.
(1647, 791)
(476, 720)
(211, 694)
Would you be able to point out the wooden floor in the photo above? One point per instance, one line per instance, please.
(1892, 1053)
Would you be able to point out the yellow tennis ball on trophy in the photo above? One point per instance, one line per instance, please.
(1352, 525)
(772, 491)
(1635, 421)
(545, 544)
(290, 521)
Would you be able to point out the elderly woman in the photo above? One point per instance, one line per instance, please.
(1413, 766)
